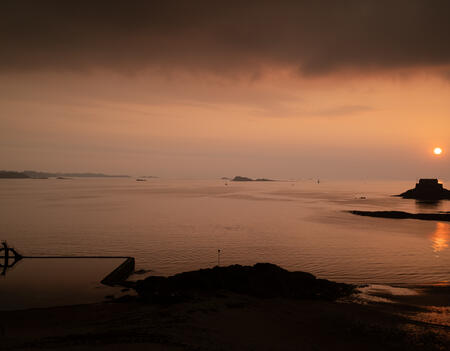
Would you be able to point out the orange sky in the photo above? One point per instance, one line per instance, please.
(232, 101)
(279, 125)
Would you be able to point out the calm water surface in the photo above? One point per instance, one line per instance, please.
(37, 283)
(171, 226)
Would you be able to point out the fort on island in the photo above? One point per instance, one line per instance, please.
(427, 189)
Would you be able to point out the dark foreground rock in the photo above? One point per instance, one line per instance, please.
(427, 189)
(441, 216)
(260, 280)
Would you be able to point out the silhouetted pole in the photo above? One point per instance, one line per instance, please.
(6, 249)
(218, 257)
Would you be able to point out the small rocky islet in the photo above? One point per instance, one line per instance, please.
(247, 179)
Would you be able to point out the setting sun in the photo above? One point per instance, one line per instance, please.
(437, 151)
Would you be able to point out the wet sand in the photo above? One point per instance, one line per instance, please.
(227, 321)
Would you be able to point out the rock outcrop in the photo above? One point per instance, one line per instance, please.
(440, 216)
(261, 280)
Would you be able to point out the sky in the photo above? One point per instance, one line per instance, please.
(201, 89)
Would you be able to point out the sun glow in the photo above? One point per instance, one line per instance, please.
(437, 151)
(441, 236)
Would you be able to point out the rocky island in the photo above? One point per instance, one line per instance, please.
(428, 190)
(246, 179)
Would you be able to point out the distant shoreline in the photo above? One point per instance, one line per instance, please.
(45, 175)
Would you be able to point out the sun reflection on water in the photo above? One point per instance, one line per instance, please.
(440, 237)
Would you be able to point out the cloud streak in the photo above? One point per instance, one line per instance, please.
(229, 37)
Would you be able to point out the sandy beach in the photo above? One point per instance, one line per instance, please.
(229, 321)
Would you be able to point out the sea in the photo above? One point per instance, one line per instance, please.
(172, 225)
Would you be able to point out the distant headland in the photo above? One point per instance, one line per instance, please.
(246, 179)
(44, 175)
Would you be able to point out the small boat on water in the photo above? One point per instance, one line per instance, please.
(141, 180)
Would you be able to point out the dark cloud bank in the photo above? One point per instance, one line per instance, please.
(315, 37)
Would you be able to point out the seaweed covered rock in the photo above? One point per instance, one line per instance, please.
(261, 280)
(440, 216)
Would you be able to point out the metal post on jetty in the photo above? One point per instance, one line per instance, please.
(5, 263)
